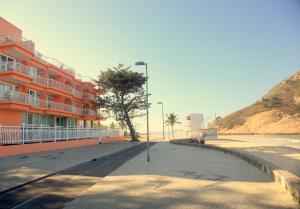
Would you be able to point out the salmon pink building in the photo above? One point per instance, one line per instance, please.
(40, 91)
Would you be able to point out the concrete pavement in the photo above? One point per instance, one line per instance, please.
(16, 170)
(185, 177)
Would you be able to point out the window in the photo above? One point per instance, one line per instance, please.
(61, 121)
(6, 87)
(71, 122)
(47, 120)
(29, 119)
(33, 93)
(3, 58)
(48, 98)
(34, 72)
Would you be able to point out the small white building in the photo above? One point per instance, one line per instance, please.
(194, 127)
(194, 124)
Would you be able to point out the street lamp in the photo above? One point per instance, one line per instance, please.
(163, 118)
(138, 64)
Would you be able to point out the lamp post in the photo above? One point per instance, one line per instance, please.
(147, 102)
(163, 118)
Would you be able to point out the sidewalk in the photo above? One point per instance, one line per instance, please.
(181, 177)
(19, 169)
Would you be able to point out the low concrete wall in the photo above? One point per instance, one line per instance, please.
(286, 179)
(19, 149)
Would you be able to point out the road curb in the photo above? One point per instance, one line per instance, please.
(286, 179)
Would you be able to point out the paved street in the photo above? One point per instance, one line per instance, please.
(56, 190)
(281, 151)
(184, 177)
(19, 169)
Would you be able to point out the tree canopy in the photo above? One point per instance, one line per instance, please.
(125, 97)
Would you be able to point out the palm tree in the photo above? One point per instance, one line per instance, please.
(172, 119)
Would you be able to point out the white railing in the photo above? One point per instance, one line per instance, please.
(14, 66)
(59, 85)
(77, 93)
(89, 96)
(40, 80)
(32, 134)
(22, 98)
(55, 62)
(89, 112)
(15, 97)
(25, 43)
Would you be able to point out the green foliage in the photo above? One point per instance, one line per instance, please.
(125, 97)
(172, 119)
(112, 125)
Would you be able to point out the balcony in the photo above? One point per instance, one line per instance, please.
(89, 96)
(25, 102)
(14, 72)
(59, 86)
(17, 73)
(77, 93)
(89, 112)
(59, 65)
(21, 49)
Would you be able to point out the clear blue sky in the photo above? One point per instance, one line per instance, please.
(210, 56)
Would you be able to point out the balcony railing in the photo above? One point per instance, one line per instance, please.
(59, 85)
(15, 66)
(55, 62)
(89, 96)
(77, 93)
(26, 99)
(25, 43)
(40, 80)
(89, 112)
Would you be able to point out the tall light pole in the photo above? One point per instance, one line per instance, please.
(147, 102)
(163, 118)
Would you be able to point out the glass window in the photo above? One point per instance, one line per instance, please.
(6, 87)
(3, 58)
(2, 86)
(29, 118)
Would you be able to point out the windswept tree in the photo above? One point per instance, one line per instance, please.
(125, 96)
(172, 119)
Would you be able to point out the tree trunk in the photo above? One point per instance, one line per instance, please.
(131, 129)
(172, 132)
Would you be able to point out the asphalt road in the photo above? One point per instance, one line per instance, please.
(58, 189)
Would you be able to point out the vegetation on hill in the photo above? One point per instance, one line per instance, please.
(283, 100)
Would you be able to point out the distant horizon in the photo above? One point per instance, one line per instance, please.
(210, 57)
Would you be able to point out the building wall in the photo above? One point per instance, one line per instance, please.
(38, 67)
(10, 118)
(8, 29)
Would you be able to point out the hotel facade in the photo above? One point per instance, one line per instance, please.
(41, 91)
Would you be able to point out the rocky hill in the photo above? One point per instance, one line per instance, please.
(276, 112)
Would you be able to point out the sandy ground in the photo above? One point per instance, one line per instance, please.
(283, 152)
(184, 177)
